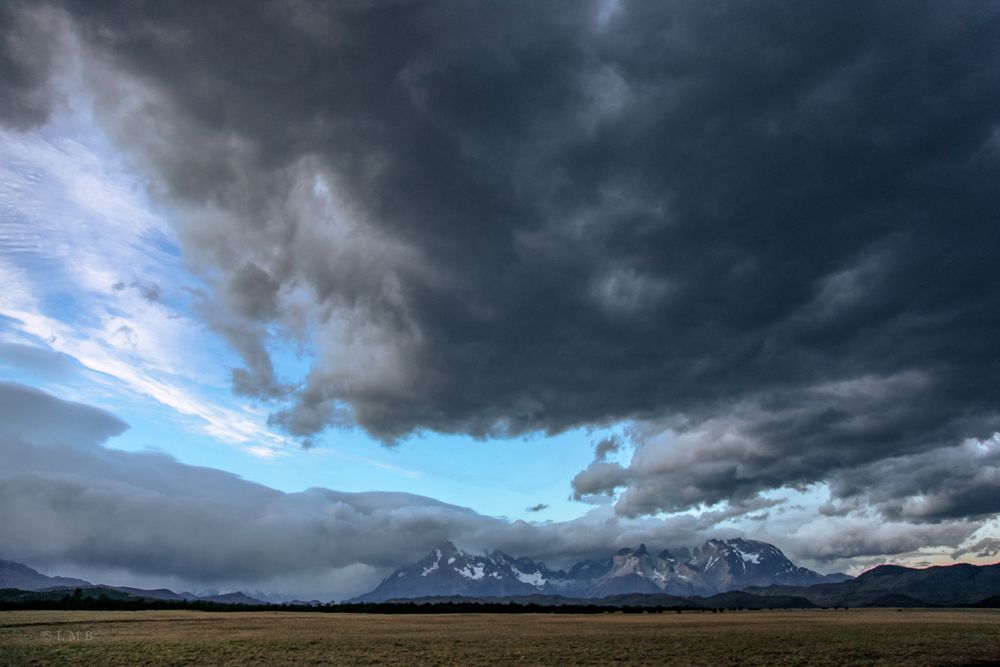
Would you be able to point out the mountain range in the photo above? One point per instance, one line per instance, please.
(20, 577)
(473, 577)
(715, 567)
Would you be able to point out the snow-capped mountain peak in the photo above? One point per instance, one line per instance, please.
(737, 563)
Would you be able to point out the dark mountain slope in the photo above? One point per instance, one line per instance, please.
(959, 584)
(20, 576)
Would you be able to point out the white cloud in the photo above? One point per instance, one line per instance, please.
(75, 223)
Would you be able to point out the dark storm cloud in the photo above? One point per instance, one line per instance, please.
(769, 229)
(840, 541)
(946, 483)
(857, 435)
(24, 66)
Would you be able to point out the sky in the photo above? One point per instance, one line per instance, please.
(291, 292)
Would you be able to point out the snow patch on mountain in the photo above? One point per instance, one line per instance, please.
(535, 578)
(748, 558)
(474, 572)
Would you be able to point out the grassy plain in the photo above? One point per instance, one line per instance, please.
(869, 636)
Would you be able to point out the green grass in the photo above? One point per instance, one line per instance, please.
(871, 636)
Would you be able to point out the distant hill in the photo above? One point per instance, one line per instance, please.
(233, 598)
(717, 566)
(153, 594)
(897, 586)
(125, 594)
(55, 594)
(20, 576)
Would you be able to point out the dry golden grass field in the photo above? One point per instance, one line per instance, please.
(879, 637)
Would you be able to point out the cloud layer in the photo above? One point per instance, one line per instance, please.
(68, 503)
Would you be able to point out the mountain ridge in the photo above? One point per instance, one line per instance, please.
(958, 584)
(718, 566)
(20, 576)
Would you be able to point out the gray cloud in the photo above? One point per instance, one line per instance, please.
(32, 416)
(537, 508)
(605, 447)
(846, 433)
(842, 540)
(985, 548)
(946, 483)
(151, 292)
(253, 292)
(772, 243)
(40, 361)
